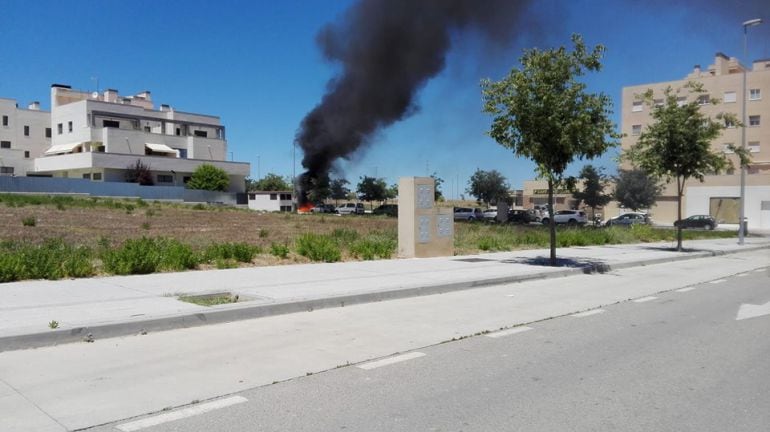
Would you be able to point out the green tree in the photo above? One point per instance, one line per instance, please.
(677, 145)
(594, 182)
(339, 190)
(392, 192)
(438, 195)
(271, 182)
(139, 173)
(372, 189)
(488, 186)
(542, 112)
(635, 189)
(209, 177)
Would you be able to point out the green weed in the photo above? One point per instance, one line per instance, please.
(318, 247)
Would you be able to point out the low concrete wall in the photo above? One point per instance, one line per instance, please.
(43, 185)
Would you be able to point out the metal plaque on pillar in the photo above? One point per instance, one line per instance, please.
(424, 230)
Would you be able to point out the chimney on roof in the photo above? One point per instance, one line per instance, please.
(165, 108)
(144, 95)
(111, 95)
(34, 106)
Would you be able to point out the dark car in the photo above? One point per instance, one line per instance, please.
(697, 221)
(323, 208)
(517, 216)
(387, 210)
(628, 219)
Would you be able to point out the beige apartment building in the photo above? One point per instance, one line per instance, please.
(719, 194)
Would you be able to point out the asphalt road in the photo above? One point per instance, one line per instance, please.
(671, 361)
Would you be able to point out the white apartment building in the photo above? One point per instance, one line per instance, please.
(98, 136)
(719, 194)
(24, 135)
(271, 201)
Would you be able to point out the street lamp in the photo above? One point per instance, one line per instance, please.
(741, 228)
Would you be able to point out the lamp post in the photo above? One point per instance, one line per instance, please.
(741, 229)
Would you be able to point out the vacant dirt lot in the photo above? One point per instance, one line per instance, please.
(87, 226)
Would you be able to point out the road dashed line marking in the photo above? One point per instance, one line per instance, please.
(180, 414)
(390, 360)
(588, 313)
(741, 274)
(685, 289)
(717, 281)
(508, 332)
(645, 299)
(760, 270)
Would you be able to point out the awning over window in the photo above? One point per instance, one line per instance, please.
(62, 148)
(161, 148)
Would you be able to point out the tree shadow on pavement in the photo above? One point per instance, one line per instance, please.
(587, 264)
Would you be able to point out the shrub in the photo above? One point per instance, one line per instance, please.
(263, 233)
(374, 246)
(279, 250)
(242, 252)
(318, 247)
(209, 177)
(52, 260)
(148, 255)
(344, 236)
(29, 221)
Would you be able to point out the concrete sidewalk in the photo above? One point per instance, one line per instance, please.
(124, 305)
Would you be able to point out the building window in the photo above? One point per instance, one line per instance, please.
(681, 101)
(657, 102)
(636, 129)
(755, 94)
(165, 178)
(69, 126)
(730, 97)
(26, 130)
(637, 106)
(727, 148)
(285, 208)
(182, 153)
(147, 129)
(754, 120)
(178, 132)
(59, 128)
(200, 133)
(5, 120)
(703, 99)
(285, 197)
(87, 176)
(96, 176)
(6, 170)
(273, 197)
(26, 154)
(48, 132)
(185, 179)
(729, 123)
(5, 144)
(110, 123)
(99, 149)
(753, 146)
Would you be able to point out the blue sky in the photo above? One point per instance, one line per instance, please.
(256, 65)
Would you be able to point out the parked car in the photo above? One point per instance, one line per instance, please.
(490, 214)
(387, 210)
(697, 221)
(570, 217)
(519, 216)
(324, 208)
(628, 219)
(468, 214)
(350, 208)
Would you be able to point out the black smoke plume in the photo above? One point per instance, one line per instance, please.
(388, 50)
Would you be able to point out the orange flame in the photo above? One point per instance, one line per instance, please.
(305, 208)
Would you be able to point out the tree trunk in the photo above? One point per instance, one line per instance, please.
(551, 222)
(679, 214)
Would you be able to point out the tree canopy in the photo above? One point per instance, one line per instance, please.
(438, 195)
(677, 145)
(542, 112)
(139, 173)
(270, 182)
(209, 177)
(372, 189)
(488, 186)
(594, 182)
(635, 189)
(338, 189)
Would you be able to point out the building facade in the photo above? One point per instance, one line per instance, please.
(101, 136)
(271, 201)
(719, 194)
(25, 134)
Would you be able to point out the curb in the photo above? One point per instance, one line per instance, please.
(245, 312)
